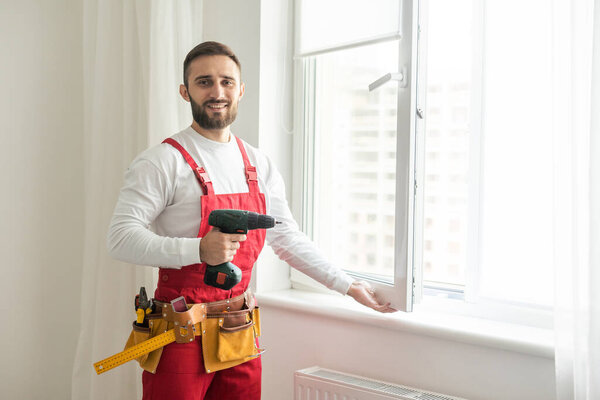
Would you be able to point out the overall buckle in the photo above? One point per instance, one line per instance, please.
(251, 174)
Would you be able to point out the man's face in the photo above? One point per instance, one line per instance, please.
(214, 91)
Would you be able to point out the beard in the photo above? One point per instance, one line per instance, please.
(219, 121)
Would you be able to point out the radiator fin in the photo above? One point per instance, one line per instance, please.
(373, 385)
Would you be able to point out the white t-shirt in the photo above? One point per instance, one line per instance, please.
(157, 216)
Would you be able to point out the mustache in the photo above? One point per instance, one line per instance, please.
(226, 102)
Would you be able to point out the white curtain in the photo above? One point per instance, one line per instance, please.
(576, 121)
(133, 52)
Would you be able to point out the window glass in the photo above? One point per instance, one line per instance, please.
(354, 186)
(517, 147)
(488, 150)
(447, 141)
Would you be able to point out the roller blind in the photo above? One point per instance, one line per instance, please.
(337, 22)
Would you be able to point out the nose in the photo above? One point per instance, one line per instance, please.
(217, 92)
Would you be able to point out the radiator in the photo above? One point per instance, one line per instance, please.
(318, 383)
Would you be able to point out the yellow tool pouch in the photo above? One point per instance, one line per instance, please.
(149, 361)
(229, 339)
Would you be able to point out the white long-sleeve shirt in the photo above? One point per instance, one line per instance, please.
(157, 216)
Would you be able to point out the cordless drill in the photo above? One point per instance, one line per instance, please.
(227, 275)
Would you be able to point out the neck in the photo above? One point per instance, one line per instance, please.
(217, 135)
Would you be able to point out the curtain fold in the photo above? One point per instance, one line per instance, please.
(133, 51)
(594, 282)
(576, 121)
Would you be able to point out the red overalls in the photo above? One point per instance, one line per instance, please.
(180, 373)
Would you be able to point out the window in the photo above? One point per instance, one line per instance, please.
(446, 167)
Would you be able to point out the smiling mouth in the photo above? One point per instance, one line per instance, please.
(217, 106)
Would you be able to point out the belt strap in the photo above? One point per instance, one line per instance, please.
(228, 309)
(226, 305)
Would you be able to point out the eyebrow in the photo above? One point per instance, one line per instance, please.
(210, 77)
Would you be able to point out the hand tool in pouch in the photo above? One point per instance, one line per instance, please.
(143, 306)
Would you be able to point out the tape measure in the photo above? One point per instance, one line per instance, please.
(135, 351)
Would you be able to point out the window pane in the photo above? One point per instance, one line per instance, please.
(447, 142)
(353, 19)
(517, 168)
(355, 158)
(488, 156)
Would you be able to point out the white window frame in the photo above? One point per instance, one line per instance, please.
(400, 290)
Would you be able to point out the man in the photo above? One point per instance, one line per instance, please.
(174, 186)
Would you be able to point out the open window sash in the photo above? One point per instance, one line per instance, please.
(401, 291)
(401, 288)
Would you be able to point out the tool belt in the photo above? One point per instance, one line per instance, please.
(228, 328)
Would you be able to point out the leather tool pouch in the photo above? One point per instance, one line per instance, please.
(229, 339)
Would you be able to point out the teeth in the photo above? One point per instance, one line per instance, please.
(217, 105)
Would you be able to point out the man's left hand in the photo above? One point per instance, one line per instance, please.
(362, 292)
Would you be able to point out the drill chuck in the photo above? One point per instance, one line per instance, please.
(260, 221)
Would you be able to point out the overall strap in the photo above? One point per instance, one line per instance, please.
(200, 173)
(251, 175)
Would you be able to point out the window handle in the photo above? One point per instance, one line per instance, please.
(391, 76)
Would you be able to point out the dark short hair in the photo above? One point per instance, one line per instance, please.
(208, 49)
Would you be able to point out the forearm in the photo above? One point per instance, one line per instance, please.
(301, 253)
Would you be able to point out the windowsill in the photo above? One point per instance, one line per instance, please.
(475, 331)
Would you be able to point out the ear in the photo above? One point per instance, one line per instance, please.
(242, 89)
(184, 93)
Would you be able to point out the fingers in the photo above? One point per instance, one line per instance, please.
(228, 248)
(362, 292)
(236, 237)
(385, 308)
(217, 247)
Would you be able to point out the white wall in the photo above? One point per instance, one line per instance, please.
(299, 340)
(260, 46)
(275, 122)
(42, 195)
(235, 23)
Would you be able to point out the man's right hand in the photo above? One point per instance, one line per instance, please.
(218, 247)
